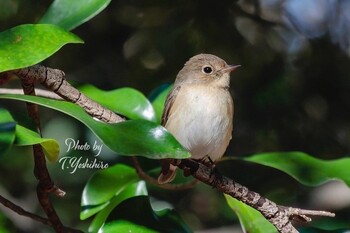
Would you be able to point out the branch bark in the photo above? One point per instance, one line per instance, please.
(19, 210)
(45, 184)
(54, 80)
(280, 216)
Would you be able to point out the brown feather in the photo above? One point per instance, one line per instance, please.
(169, 103)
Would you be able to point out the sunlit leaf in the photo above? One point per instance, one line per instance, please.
(304, 168)
(133, 137)
(26, 137)
(125, 101)
(29, 44)
(69, 14)
(251, 220)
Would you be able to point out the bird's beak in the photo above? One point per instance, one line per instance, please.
(230, 68)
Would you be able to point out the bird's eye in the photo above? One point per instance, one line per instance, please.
(207, 70)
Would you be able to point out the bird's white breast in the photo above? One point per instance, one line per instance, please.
(201, 120)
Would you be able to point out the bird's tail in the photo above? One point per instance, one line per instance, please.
(168, 173)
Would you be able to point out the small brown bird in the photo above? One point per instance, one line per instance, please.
(199, 110)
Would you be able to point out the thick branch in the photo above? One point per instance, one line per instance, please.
(53, 79)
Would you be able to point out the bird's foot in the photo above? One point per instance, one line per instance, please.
(215, 177)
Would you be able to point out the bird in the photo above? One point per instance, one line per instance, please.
(198, 111)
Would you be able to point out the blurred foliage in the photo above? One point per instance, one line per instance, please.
(291, 93)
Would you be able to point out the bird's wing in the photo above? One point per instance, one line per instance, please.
(168, 171)
(169, 103)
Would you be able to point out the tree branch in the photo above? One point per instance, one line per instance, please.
(19, 210)
(279, 216)
(53, 79)
(45, 185)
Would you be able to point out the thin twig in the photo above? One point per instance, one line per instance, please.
(19, 210)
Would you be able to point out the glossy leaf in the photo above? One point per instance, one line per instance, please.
(124, 226)
(251, 220)
(106, 183)
(69, 14)
(29, 44)
(305, 168)
(133, 137)
(26, 137)
(125, 101)
(12, 133)
(7, 131)
(131, 190)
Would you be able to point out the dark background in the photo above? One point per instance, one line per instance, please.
(291, 94)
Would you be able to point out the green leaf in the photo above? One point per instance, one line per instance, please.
(131, 190)
(251, 220)
(69, 14)
(138, 210)
(106, 183)
(108, 188)
(7, 131)
(12, 133)
(26, 137)
(124, 226)
(133, 137)
(111, 193)
(305, 168)
(125, 101)
(29, 44)
(158, 97)
(330, 224)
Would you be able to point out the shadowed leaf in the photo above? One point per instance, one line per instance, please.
(304, 168)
